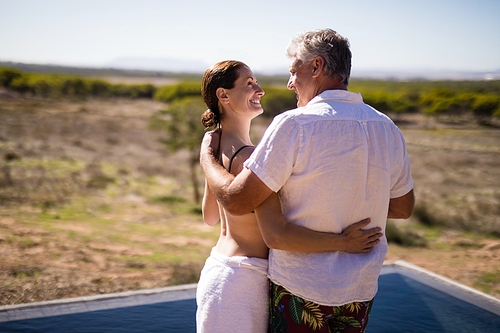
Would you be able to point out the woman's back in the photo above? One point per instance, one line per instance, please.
(240, 235)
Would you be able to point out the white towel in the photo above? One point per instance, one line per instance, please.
(233, 295)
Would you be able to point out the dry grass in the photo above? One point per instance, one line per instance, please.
(457, 187)
(91, 202)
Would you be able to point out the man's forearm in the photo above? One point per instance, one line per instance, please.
(218, 179)
(238, 195)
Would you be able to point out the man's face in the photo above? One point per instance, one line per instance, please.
(301, 80)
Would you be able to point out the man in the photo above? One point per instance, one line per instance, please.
(333, 159)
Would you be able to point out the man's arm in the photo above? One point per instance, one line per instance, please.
(401, 207)
(239, 195)
(282, 235)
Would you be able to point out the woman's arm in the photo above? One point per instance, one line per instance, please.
(281, 235)
(210, 207)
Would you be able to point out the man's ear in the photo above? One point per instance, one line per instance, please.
(222, 95)
(318, 65)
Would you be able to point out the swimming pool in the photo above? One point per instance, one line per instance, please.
(409, 300)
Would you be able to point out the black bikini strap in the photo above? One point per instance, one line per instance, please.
(232, 158)
(219, 152)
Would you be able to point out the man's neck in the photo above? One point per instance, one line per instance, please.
(330, 84)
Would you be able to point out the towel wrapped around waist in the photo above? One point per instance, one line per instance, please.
(233, 295)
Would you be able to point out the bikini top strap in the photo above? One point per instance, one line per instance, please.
(232, 158)
(219, 152)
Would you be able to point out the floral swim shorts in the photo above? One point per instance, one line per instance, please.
(290, 313)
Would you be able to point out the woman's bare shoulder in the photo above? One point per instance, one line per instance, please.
(240, 158)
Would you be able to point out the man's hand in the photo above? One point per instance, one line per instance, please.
(239, 195)
(209, 146)
(361, 241)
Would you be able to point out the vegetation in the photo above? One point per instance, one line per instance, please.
(480, 99)
(55, 86)
(277, 100)
(177, 91)
(456, 98)
(182, 124)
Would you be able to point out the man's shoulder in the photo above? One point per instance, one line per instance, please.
(286, 117)
(304, 114)
(333, 110)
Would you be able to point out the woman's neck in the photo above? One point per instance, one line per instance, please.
(236, 129)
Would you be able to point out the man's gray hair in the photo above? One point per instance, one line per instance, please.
(328, 44)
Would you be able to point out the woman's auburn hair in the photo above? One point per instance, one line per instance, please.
(221, 75)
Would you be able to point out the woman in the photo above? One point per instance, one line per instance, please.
(232, 293)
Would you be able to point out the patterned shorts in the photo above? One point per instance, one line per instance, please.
(290, 313)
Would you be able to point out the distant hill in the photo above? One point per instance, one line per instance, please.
(93, 71)
(424, 74)
(185, 69)
(159, 64)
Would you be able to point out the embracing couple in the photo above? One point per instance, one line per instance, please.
(303, 213)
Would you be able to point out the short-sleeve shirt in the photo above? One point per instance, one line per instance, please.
(333, 162)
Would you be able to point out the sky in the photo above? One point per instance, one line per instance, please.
(384, 35)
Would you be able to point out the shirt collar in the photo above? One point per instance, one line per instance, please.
(338, 95)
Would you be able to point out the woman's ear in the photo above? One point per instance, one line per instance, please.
(222, 95)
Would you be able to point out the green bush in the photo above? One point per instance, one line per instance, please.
(276, 101)
(75, 87)
(401, 237)
(485, 105)
(58, 85)
(42, 86)
(398, 102)
(100, 88)
(7, 75)
(178, 91)
(143, 91)
(22, 84)
(379, 100)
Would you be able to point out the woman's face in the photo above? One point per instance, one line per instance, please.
(246, 93)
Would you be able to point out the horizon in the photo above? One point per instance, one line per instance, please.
(377, 74)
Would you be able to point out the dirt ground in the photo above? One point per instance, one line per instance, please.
(41, 262)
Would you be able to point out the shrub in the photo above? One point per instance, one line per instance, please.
(22, 84)
(75, 87)
(276, 101)
(421, 212)
(485, 105)
(42, 85)
(56, 85)
(178, 91)
(403, 102)
(182, 125)
(403, 237)
(379, 100)
(7, 75)
(142, 91)
(100, 88)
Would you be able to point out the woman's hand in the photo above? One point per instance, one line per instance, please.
(361, 241)
(281, 235)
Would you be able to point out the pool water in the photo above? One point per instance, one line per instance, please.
(176, 316)
(407, 301)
